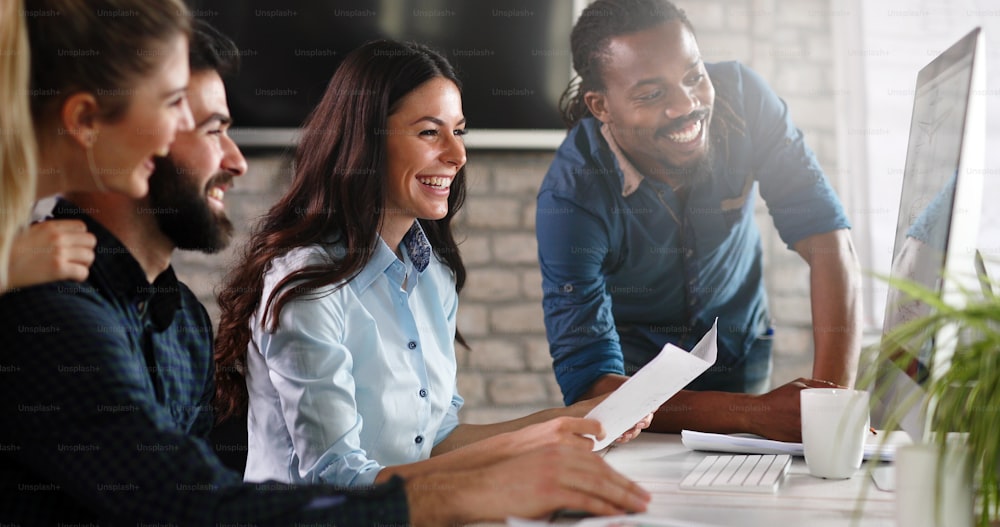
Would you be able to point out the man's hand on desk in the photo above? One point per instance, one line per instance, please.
(530, 485)
(778, 416)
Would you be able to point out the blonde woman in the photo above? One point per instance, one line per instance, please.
(17, 145)
(107, 97)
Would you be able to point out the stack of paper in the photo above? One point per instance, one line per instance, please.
(876, 445)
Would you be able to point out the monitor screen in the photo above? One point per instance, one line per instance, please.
(513, 56)
(939, 204)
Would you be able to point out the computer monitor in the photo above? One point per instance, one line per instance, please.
(938, 222)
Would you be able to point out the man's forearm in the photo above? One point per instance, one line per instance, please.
(836, 309)
(718, 412)
(774, 415)
(835, 285)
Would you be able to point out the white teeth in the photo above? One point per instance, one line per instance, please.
(439, 183)
(162, 152)
(688, 135)
(216, 193)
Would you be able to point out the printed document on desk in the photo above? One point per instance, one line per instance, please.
(883, 448)
(670, 371)
(631, 520)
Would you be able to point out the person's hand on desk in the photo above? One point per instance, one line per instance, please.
(780, 418)
(530, 485)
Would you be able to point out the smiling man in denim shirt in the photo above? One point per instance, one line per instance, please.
(646, 231)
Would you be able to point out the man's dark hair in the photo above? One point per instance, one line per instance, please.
(211, 50)
(598, 24)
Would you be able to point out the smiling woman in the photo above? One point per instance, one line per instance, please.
(425, 154)
(379, 176)
(107, 86)
(349, 351)
(107, 81)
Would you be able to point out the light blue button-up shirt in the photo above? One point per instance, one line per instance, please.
(356, 379)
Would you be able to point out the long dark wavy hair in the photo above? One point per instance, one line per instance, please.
(339, 188)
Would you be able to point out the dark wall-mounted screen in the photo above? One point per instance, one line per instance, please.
(512, 55)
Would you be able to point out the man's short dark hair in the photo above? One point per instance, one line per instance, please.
(598, 24)
(211, 50)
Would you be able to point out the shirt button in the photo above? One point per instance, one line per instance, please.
(419, 439)
(689, 253)
(423, 392)
(412, 345)
(568, 288)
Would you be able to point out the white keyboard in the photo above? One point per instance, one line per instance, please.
(739, 473)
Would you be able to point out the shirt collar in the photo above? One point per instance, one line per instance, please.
(417, 247)
(631, 177)
(115, 268)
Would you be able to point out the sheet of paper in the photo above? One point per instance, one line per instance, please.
(637, 520)
(632, 520)
(513, 521)
(670, 371)
(875, 445)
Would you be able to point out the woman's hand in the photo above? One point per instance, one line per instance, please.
(565, 431)
(633, 432)
(50, 251)
(582, 408)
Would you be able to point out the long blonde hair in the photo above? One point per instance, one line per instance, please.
(17, 137)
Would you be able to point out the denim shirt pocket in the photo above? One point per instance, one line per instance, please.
(741, 205)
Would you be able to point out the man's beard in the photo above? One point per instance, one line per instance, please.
(182, 211)
(693, 173)
(701, 169)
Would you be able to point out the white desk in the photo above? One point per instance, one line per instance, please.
(658, 462)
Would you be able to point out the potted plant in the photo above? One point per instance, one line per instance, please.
(964, 393)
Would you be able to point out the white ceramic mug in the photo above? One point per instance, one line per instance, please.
(835, 425)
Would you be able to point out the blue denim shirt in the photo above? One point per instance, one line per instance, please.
(357, 378)
(626, 264)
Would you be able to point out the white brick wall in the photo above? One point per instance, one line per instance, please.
(508, 372)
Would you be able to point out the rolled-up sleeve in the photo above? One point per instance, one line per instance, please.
(572, 245)
(798, 194)
(311, 370)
